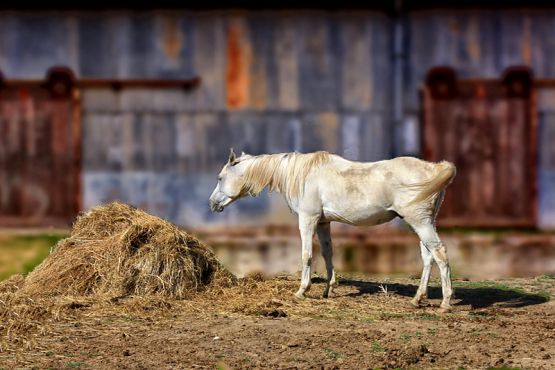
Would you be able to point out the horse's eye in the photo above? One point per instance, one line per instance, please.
(219, 179)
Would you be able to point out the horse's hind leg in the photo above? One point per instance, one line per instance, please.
(324, 235)
(422, 291)
(428, 236)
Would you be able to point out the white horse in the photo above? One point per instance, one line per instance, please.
(321, 187)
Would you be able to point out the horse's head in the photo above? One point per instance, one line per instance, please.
(230, 185)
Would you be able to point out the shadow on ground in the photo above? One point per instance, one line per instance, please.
(476, 297)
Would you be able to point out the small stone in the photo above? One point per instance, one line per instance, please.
(217, 338)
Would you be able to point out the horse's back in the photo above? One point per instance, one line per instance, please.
(367, 192)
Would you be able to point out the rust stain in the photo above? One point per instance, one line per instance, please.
(172, 38)
(26, 104)
(527, 42)
(473, 40)
(238, 63)
(454, 25)
(480, 91)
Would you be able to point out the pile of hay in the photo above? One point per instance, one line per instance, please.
(117, 250)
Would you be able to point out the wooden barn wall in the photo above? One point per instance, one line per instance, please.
(271, 82)
(481, 44)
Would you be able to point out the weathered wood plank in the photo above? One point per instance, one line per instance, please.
(320, 131)
(287, 64)
(381, 52)
(247, 132)
(356, 59)
(318, 77)
(103, 45)
(263, 82)
(375, 138)
(209, 61)
(547, 138)
(48, 40)
(283, 132)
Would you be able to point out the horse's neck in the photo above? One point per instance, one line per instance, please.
(276, 165)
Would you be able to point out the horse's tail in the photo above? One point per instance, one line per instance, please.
(428, 188)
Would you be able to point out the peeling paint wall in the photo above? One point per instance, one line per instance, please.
(271, 82)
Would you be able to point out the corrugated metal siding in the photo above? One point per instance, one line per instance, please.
(270, 82)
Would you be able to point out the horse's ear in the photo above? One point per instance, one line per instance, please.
(232, 158)
(243, 154)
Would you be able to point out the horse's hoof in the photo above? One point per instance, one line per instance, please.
(444, 309)
(415, 303)
(300, 296)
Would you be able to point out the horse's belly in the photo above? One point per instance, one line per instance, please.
(354, 216)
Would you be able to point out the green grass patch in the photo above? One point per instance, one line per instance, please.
(20, 254)
(76, 364)
(405, 337)
(377, 347)
(393, 315)
(332, 354)
(428, 316)
(432, 331)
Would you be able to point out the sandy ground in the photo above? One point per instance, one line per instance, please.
(368, 323)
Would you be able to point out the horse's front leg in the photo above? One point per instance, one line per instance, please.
(324, 235)
(307, 226)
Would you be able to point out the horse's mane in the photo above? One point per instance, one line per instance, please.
(285, 172)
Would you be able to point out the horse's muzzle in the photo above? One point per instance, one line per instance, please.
(215, 206)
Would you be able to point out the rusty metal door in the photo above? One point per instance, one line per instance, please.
(488, 129)
(39, 152)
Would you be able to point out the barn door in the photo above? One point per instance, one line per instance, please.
(39, 151)
(488, 129)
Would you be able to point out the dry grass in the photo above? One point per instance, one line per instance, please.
(117, 258)
(120, 262)
(117, 250)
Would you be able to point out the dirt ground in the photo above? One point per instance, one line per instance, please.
(258, 324)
